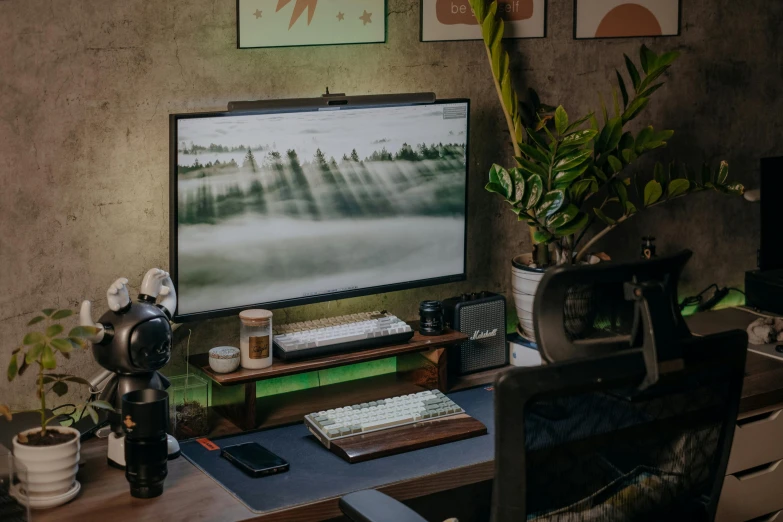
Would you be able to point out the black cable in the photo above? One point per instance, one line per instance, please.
(696, 299)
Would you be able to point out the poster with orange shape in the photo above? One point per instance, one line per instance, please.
(626, 18)
(286, 23)
(443, 20)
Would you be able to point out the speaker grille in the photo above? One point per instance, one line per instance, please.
(489, 352)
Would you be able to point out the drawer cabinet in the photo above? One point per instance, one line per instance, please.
(758, 440)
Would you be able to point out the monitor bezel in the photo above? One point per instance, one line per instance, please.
(361, 292)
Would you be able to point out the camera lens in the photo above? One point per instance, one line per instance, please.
(145, 416)
(431, 318)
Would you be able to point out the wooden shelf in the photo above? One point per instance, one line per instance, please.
(282, 368)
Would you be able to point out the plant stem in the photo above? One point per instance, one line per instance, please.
(596, 237)
(509, 121)
(43, 399)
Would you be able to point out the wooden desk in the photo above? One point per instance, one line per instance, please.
(191, 495)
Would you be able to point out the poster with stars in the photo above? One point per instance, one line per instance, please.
(287, 23)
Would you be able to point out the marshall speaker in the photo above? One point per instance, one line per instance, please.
(483, 317)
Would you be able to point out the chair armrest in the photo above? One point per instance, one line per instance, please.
(374, 506)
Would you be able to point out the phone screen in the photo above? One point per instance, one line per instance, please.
(254, 458)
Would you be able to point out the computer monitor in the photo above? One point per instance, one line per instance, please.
(292, 206)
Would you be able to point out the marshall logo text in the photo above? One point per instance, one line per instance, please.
(478, 334)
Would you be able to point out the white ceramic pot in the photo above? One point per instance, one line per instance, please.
(51, 470)
(524, 283)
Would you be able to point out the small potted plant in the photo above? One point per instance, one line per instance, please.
(572, 173)
(50, 453)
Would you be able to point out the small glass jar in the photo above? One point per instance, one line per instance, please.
(255, 339)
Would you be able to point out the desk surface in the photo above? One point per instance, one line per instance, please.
(190, 494)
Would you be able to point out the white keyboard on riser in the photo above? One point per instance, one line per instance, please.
(339, 334)
(384, 414)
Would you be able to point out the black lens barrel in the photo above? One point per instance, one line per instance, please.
(145, 416)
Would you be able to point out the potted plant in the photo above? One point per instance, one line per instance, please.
(571, 173)
(50, 453)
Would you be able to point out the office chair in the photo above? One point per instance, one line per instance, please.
(634, 419)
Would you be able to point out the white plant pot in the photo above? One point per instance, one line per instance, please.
(51, 470)
(524, 283)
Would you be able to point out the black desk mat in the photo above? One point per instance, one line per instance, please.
(318, 474)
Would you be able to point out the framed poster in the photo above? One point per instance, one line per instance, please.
(626, 18)
(447, 20)
(289, 23)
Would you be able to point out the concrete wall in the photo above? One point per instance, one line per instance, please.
(86, 87)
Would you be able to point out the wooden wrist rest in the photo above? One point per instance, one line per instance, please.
(376, 444)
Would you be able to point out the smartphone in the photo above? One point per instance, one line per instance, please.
(254, 459)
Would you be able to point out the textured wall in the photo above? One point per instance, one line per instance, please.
(86, 87)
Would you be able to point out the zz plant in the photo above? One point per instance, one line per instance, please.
(39, 349)
(572, 173)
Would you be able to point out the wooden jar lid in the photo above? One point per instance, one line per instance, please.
(255, 317)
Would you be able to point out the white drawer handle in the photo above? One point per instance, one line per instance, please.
(759, 419)
(758, 472)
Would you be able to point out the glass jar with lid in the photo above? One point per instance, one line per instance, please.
(255, 339)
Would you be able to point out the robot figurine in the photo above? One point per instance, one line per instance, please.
(133, 342)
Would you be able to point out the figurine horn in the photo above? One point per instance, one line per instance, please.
(85, 319)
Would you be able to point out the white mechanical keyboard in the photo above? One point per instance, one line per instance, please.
(378, 415)
(339, 334)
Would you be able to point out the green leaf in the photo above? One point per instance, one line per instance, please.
(610, 136)
(630, 208)
(558, 219)
(647, 92)
(495, 187)
(77, 342)
(47, 358)
(573, 226)
(579, 137)
(648, 59)
(623, 90)
(48, 311)
(60, 388)
(635, 108)
(535, 190)
(83, 332)
(35, 320)
(667, 58)
(62, 345)
(736, 189)
(561, 120)
(678, 187)
(495, 45)
(532, 168)
(62, 314)
(619, 190)
(541, 236)
(33, 353)
(615, 164)
(13, 367)
(479, 9)
(518, 180)
(651, 78)
(652, 193)
(603, 108)
(723, 173)
(536, 154)
(660, 174)
(642, 138)
(538, 140)
(573, 160)
(550, 203)
(579, 189)
(509, 95)
(54, 330)
(603, 217)
(489, 25)
(77, 380)
(102, 405)
(564, 178)
(91, 412)
(626, 141)
(629, 156)
(542, 123)
(33, 338)
(651, 145)
(577, 123)
(662, 135)
(633, 72)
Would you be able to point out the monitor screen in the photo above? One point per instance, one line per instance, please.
(284, 208)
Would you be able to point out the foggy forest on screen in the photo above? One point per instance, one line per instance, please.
(310, 205)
